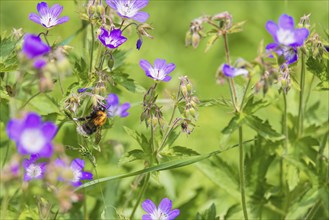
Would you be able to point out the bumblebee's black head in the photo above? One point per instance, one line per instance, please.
(101, 108)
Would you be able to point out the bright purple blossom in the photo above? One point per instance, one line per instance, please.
(34, 47)
(114, 108)
(39, 63)
(77, 166)
(286, 38)
(113, 39)
(48, 17)
(32, 169)
(160, 70)
(230, 71)
(163, 212)
(32, 136)
(130, 9)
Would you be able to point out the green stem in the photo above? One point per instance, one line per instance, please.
(35, 95)
(284, 123)
(91, 48)
(60, 83)
(242, 176)
(6, 155)
(309, 92)
(230, 80)
(140, 195)
(245, 94)
(301, 98)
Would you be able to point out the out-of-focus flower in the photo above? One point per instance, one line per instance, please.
(34, 47)
(130, 9)
(48, 17)
(33, 170)
(31, 135)
(11, 170)
(39, 63)
(286, 38)
(112, 39)
(230, 71)
(162, 212)
(160, 70)
(113, 107)
(17, 33)
(76, 169)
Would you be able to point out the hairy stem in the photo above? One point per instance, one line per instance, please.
(242, 176)
(284, 123)
(301, 98)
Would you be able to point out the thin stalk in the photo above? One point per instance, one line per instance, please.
(242, 176)
(230, 80)
(60, 83)
(301, 98)
(140, 195)
(85, 212)
(6, 155)
(284, 123)
(35, 95)
(245, 94)
(309, 92)
(91, 48)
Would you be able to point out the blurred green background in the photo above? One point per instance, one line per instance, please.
(171, 20)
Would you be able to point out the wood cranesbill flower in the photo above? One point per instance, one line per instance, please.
(160, 70)
(112, 39)
(113, 108)
(32, 169)
(130, 9)
(33, 46)
(286, 38)
(76, 167)
(230, 71)
(48, 17)
(32, 136)
(163, 212)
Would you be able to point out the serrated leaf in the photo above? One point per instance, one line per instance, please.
(222, 175)
(322, 86)
(292, 176)
(140, 138)
(264, 129)
(128, 83)
(214, 102)
(317, 67)
(254, 105)
(209, 213)
(81, 69)
(234, 124)
(133, 155)
(183, 151)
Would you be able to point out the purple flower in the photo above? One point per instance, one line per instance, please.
(39, 63)
(113, 39)
(160, 70)
(81, 90)
(114, 108)
(162, 212)
(77, 166)
(49, 17)
(34, 47)
(286, 37)
(33, 170)
(31, 135)
(130, 9)
(230, 71)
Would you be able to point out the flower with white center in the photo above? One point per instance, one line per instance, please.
(32, 136)
(48, 17)
(130, 9)
(230, 71)
(160, 70)
(76, 168)
(33, 170)
(112, 39)
(163, 212)
(113, 107)
(286, 38)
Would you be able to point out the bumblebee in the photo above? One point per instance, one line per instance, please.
(95, 120)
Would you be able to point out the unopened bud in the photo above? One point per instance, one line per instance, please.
(184, 90)
(91, 10)
(188, 38)
(100, 10)
(195, 39)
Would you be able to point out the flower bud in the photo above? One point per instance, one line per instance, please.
(100, 10)
(195, 39)
(188, 38)
(91, 11)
